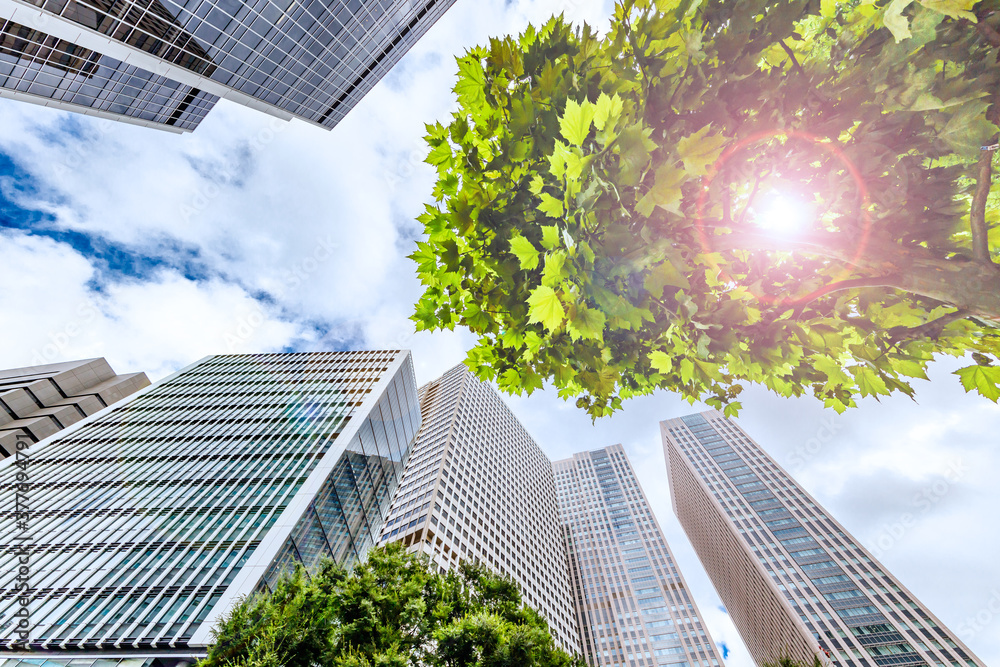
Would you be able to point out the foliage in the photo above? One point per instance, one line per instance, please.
(789, 662)
(601, 209)
(390, 611)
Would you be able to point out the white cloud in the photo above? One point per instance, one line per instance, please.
(51, 312)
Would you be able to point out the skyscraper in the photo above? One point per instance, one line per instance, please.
(793, 579)
(477, 487)
(632, 604)
(38, 401)
(165, 63)
(137, 529)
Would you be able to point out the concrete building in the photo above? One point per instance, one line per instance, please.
(39, 401)
(632, 604)
(477, 487)
(794, 581)
(139, 527)
(165, 63)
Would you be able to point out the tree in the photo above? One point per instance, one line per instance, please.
(608, 209)
(789, 662)
(390, 611)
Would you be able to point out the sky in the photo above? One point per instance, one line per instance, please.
(255, 235)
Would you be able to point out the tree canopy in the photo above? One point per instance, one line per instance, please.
(392, 610)
(794, 193)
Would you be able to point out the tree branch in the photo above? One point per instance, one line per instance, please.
(840, 285)
(932, 329)
(753, 193)
(968, 285)
(791, 55)
(977, 214)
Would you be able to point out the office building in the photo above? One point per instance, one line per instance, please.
(631, 602)
(147, 523)
(478, 488)
(39, 401)
(165, 63)
(793, 579)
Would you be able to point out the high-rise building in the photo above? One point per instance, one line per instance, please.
(793, 579)
(165, 63)
(478, 488)
(38, 401)
(632, 604)
(136, 529)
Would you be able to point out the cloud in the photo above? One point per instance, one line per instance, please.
(156, 325)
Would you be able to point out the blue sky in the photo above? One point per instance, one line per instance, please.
(253, 235)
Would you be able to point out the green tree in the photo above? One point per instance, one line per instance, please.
(605, 208)
(390, 611)
(788, 662)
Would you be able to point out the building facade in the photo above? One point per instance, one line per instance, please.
(794, 581)
(478, 488)
(165, 63)
(138, 528)
(39, 401)
(632, 604)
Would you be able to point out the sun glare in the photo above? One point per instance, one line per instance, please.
(781, 213)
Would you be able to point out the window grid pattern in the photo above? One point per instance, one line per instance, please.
(738, 505)
(632, 603)
(37, 64)
(142, 518)
(310, 58)
(479, 488)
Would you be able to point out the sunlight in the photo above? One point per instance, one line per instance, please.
(781, 213)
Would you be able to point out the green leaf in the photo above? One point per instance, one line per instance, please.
(533, 342)
(575, 124)
(661, 361)
(910, 368)
(687, 370)
(663, 275)
(665, 193)
(550, 236)
(607, 110)
(894, 20)
(983, 379)
(554, 272)
(956, 9)
(700, 150)
(834, 371)
(967, 129)
(587, 323)
(558, 158)
(440, 154)
(550, 206)
(869, 382)
(545, 308)
(471, 81)
(525, 252)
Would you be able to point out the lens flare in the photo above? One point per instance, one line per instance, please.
(781, 213)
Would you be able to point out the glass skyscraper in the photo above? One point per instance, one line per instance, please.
(794, 580)
(165, 63)
(479, 488)
(632, 604)
(138, 528)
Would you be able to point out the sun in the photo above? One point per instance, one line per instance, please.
(779, 212)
